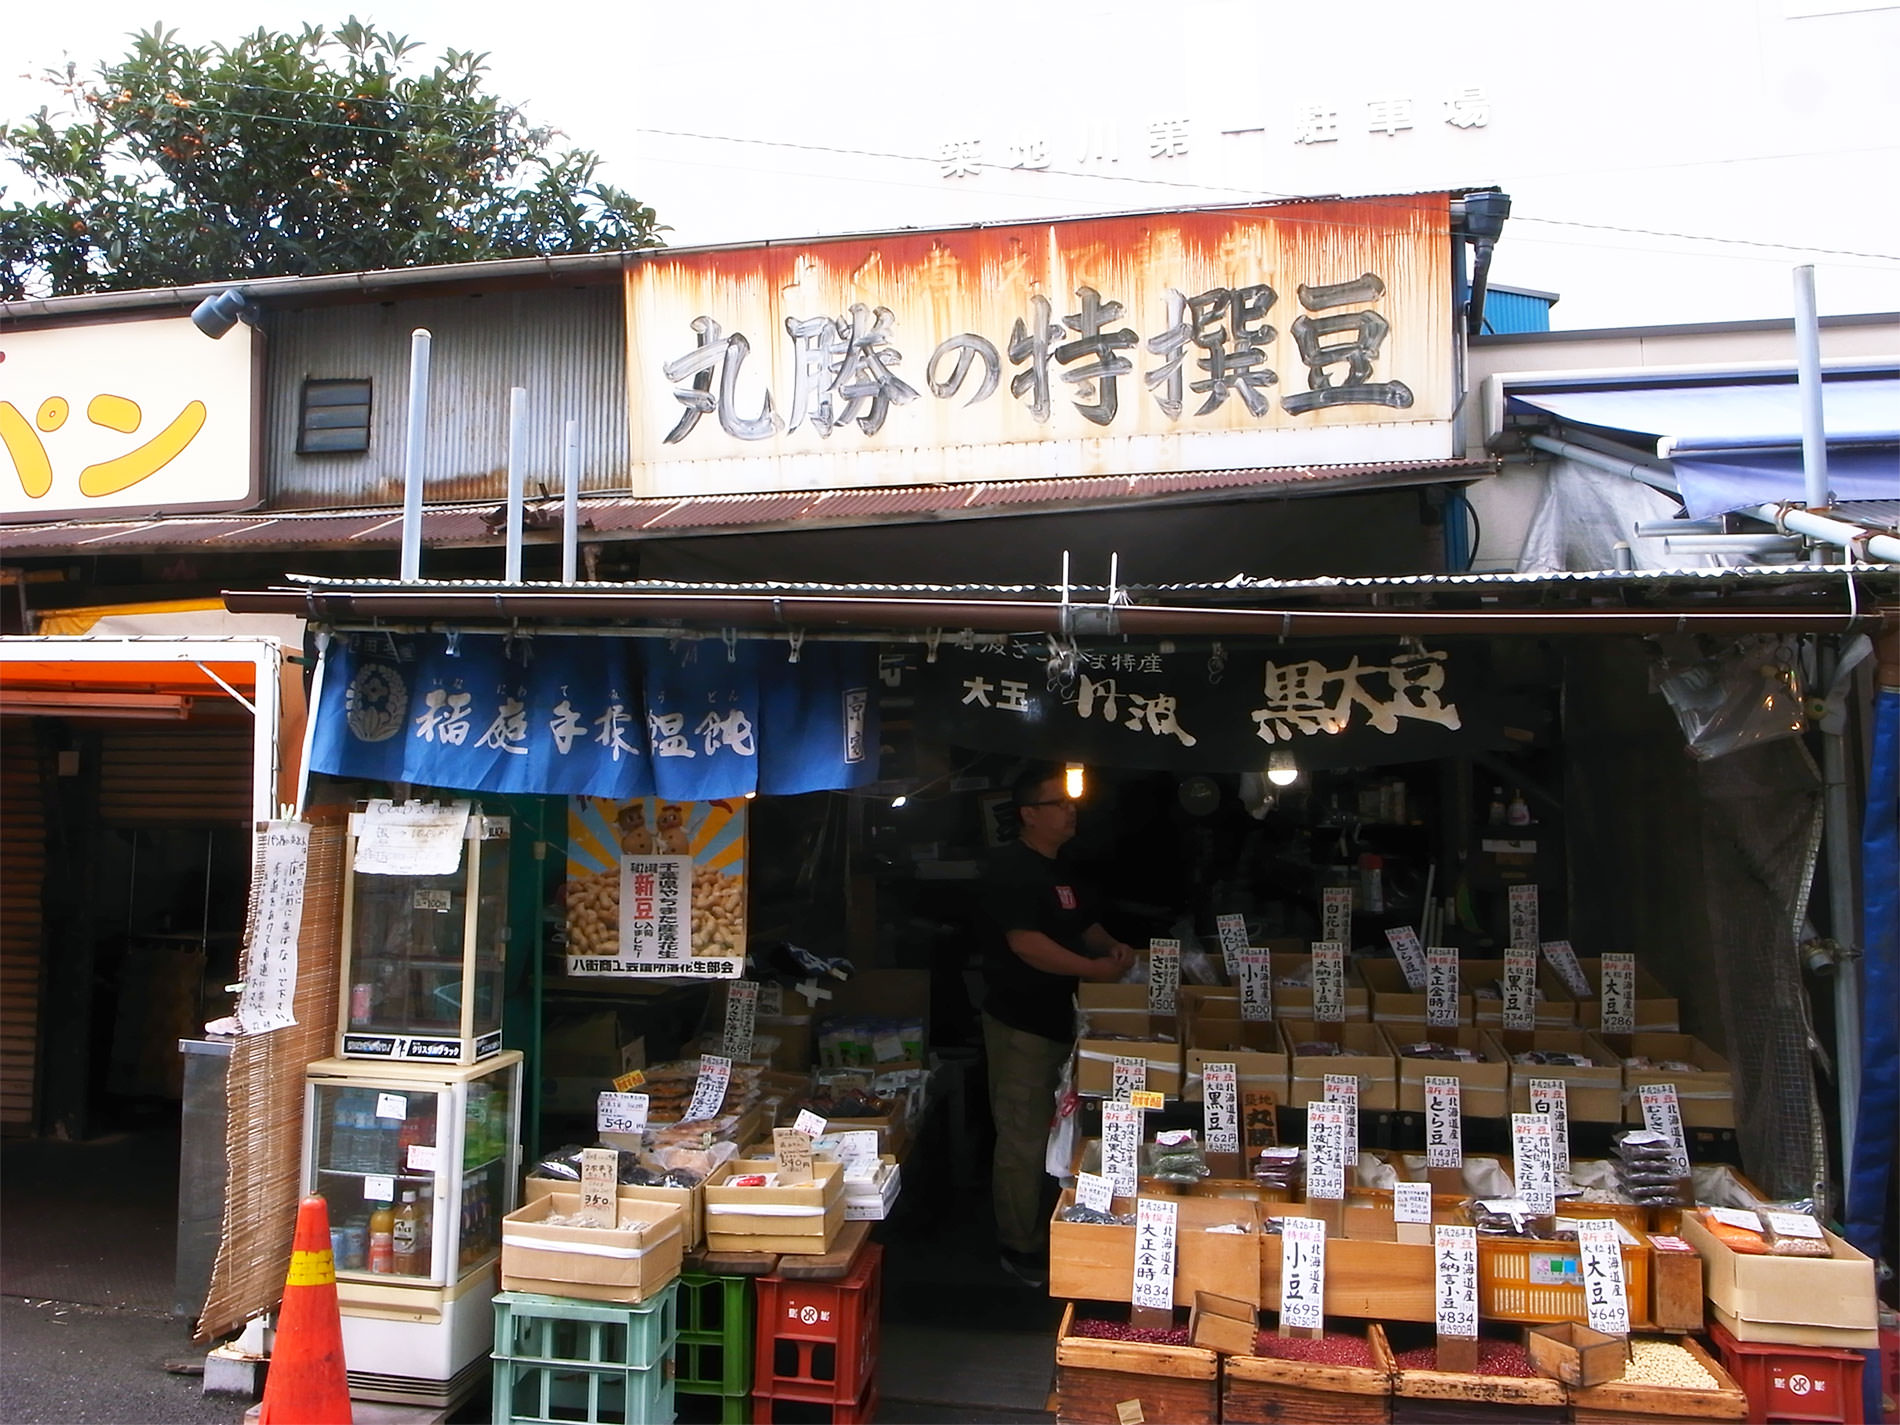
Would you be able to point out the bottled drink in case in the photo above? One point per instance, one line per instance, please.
(410, 1238)
(382, 1239)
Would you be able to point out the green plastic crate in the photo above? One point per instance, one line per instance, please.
(563, 1330)
(541, 1393)
(714, 1354)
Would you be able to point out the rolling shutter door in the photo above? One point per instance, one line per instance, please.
(175, 775)
(22, 868)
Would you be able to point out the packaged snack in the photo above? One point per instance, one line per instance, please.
(1178, 1158)
(1280, 1168)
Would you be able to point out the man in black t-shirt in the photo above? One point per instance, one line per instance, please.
(1041, 936)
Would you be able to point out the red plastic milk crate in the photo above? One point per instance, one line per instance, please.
(1796, 1383)
(817, 1341)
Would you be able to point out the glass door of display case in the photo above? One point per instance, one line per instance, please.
(425, 954)
(417, 1166)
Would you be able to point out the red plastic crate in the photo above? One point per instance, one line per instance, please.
(1794, 1383)
(817, 1341)
(794, 1407)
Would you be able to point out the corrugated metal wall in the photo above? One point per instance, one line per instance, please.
(176, 775)
(566, 346)
(22, 867)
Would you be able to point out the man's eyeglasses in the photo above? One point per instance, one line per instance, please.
(1052, 802)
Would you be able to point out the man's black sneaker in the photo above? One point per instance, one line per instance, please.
(1027, 1268)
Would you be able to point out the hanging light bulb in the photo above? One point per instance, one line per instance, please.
(1072, 785)
(898, 801)
(1282, 770)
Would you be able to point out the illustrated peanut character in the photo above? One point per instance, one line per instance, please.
(673, 838)
(636, 838)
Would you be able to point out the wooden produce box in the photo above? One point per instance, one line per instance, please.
(1484, 1089)
(1395, 1002)
(803, 1219)
(1422, 1396)
(1657, 1011)
(1267, 1390)
(1706, 1097)
(1122, 1010)
(1557, 1009)
(1254, 1048)
(1677, 1297)
(690, 1201)
(1102, 1382)
(1593, 1095)
(1287, 960)
(1369, 1280)
(1368, 1055)
(1791, 1301)
(1635, 1402)
(1097, 1263)
(628, 1263)
(1575, 1354)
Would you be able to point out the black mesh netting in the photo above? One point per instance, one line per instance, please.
(1761, 830)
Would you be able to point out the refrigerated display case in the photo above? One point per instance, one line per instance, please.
(414, 1277)
(424, 955)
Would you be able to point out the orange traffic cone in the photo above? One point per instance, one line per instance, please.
(306, 1384)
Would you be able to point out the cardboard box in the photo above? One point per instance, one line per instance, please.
(1484, 1089)
(581, 1056)
(1288, 959)
(876, 994)
(1222, 1324)
(687, 1200)
(627, 1264)
(1803, 1301)
(1097, 1263)
(1556, 1010)
(1122, 1010)
(1657, 1011)
(1396, 1002)
(1254, 1048)
(872, 1200)
(802, 1219)
(1369, 1055)
(1707, 1097)
(1593, 1095)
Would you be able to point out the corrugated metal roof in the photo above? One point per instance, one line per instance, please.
(461, 525)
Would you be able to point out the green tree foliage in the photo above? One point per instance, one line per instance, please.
(289, 154)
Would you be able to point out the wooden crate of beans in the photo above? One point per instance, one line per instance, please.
(1104, 1365)
(1341, 1378)
(1665, 1381)
(1505, 1387)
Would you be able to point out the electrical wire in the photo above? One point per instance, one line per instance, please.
(1477, 532)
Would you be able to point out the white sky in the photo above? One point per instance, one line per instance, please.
(1668, 160)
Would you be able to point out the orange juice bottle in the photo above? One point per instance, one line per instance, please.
(382, 1239)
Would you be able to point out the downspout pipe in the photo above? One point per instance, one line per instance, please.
(1609, 464)
(1838, 823)
(413, 449)
(1807, 358)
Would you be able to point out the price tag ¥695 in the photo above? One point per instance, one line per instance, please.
(620, 1113)
(1410, 955)
(1154, 1253)
(1164, 976)
(1253, 972)
(1441, 987)
(1220, 1107)
(1551, 1098)
(1444, 1122)
(742, 1008)
(709, 1089)
(1303, 1272)
(1455, 1259)
(1233, 939)
(1329, 982)
(1619, 994)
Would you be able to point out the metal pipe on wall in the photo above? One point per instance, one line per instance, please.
(412, 472)
(1807, 357)
(571, 505)
(517, 477)
(1838, 823)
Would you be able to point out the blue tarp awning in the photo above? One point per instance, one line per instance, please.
(1737, 444)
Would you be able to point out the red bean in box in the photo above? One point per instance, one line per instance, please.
(1121, 1331)
(1495, 1358)
(1336, 1348)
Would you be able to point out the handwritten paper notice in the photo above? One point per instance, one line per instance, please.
(414, 839)
(1411, 1202)
(620, 1113)
(742, 1009)
(1164, 976)
(1410, 954)
(709, 1089)
(1455, 1262)
(1600, 1261)
(1326, 1150)
(1233, 939)
(1563, 959)
(1343, 1089)
(1254, 975)
(1127, 1078)
(600, 1185)
(1154, 1253)
(270, 962)
(1303, 1272)
(1094, 1192)
(1662, 1113)
(1619, 994)
(792, 1149)
(1335, 921)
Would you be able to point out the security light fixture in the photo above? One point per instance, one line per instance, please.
(1282, 770)
(217, 315)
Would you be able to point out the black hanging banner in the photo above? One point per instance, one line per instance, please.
(1338, 706)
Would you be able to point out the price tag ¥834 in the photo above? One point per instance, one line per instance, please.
(1444, 1122)
(1600, 1262)
(742, 1009)
(709, 1089)
(1121, 1146)
(1329, 982)
(1520, 989)
(1220, 1107)
(1303, 1272)
(1343, 1089)
(1335, 922)
(1619, 994)
(1164, 977)
(1410, 954)
(1253, 972)
(1455, 1263)
(1154, 1253)
(1551, 1097)
(620, 1113)
(1441, 988)
(1233, 939)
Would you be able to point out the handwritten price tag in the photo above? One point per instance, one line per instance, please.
(1600, 1261)
(1128, 1077)
(1220, 1107)
(1551, 1097)
(1619, 994)
(1411, 1202)
(742, 1009)
(1444, 1122)
(1563, 959)
(600, 1185)
(1441, 988)
(792, 1149)
(379, 1187)
(1530, 1147)
(810, 1124)
(1343, 1089)
(1524, 917)
(620, 1113)
(709, 1089)
(1329, 982)
(421, 1158)
(1154, 1253)
(1662, 1113)
(1455, 1264)
(1164, 976)
(1335, 921)
(392, 1105)
(1094, 1192)
(1520, 989)
(1410, 954)
(1326, 1150)
(1255, 978)
(1303, 1272)
(1121, 1146)
(1233, 939)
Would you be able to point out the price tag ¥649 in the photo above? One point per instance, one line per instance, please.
(1164, 976)
(1329, 982)
(1303, 1272)
(1600, 1262)
(1410, 955)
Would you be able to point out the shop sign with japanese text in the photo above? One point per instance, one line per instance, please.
(1295, 333)
(1365, 705)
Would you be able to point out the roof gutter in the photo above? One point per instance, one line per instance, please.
(777, 613)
